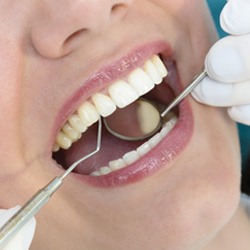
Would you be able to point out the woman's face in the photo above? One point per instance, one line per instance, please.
(55, 56)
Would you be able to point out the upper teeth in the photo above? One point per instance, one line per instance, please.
(120, 94)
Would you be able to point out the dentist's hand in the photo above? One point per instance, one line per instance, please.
(22, 240)
(228, 65)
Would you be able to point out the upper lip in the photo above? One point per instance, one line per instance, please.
(106, 75)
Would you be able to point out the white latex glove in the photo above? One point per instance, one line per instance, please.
(23, 238)
(228, 65)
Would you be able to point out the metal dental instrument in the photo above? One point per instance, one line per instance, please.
(151, 114)
(16, 222)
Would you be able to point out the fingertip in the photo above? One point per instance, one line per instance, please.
(197, 94)
(240, 114)
(29, 233)
(224, 62)
(234, 18)
(213, 93)
(23, 238)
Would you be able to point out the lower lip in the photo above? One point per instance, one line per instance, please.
(162, 156)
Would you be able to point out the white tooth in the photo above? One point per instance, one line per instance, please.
(117, 164)
(63, 141)
(77, 124)
(105, 170)
(79, 136)
(104, 104)
(159, 65)
(143, 149)
(167, 127)
(96, 173)
(151, 70)
(155, 140)
(56, 147)
(173, 121)
(70, 132)
(88, 114)
(122, 93)
(164, 131)
(140, 81)
(131, 157)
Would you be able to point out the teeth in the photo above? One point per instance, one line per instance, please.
(133, 156)
(70, 132)
(159, 66)
(63, 141)
(140, 81)
(155, 140)
(77, 124)
(104, 104)
(143, 149)
(56, 147)
(88, 114)
(104, 170)
(120, 94)
(117, 164)
(152, 71)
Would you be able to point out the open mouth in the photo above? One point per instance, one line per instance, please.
(77, 137)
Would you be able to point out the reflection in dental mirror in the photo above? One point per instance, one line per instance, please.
(137, 121)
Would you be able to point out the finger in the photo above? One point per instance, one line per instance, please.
(220, 94)
(240, 114)
(22, 239)
(234, 17)
(229, 59)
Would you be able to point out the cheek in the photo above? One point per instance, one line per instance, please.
(183, 9)
(207, 192)
(197, 205)
(201, 192)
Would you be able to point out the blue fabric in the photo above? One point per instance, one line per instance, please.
(244, 131)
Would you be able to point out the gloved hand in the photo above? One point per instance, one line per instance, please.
(228, 65)
(23, 238)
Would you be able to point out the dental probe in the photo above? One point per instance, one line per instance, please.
(151, 114)
(31, 207)
(197, 79)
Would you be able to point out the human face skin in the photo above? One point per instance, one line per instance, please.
(49, 49)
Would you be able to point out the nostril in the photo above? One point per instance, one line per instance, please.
(118, 10)
(59, 31)
(75, 36)
(73, 41)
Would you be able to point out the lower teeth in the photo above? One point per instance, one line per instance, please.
(133, 156)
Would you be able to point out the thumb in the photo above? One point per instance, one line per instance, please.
(22, 240)
(234, 18)
(229, 59)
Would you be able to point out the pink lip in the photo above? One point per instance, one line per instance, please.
(160, 157)
(165, 152)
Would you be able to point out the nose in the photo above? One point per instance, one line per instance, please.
(58, 27)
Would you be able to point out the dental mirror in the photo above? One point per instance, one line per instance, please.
(142, 119)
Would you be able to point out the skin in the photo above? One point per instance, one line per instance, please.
(43, 56)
